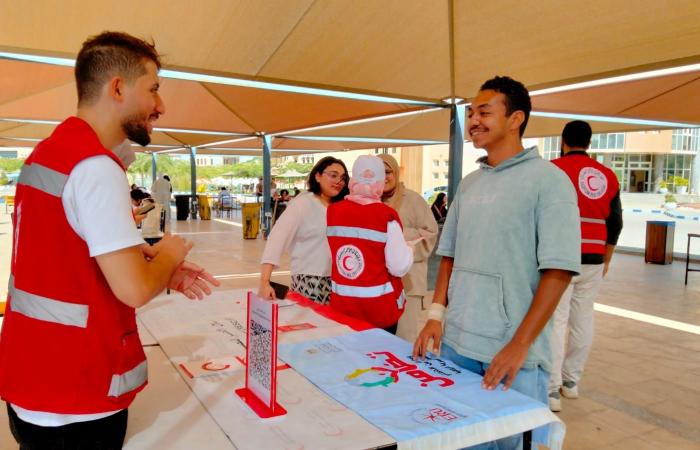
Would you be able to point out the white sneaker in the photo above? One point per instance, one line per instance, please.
(554, 401)
(569, 389)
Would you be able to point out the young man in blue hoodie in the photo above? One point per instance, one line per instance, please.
(509, 248)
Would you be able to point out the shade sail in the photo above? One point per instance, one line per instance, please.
(410, 49)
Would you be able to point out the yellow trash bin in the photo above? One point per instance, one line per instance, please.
(251, 220)
(204, 210)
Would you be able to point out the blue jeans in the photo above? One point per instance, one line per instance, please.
(531, 382)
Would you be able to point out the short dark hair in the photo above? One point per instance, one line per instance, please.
(517, 96)
(577, 134)
(108, 54)
(284, 191)
(323, 163)
(139, 194)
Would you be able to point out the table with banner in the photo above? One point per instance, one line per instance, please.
(344, 385)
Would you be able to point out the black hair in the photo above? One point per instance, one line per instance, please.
(322, 164)
(139, 194)
(438, 200)
(283, 191)
(577, 134)
(516, 94)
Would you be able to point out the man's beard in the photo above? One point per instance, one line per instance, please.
(135, 130)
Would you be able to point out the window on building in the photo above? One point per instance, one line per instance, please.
(393, 151)
(444, 174)
(436, 162)
(551, 148)
(608, 141)
(676, 166)
(687, 139)
(446, 163)
(436, 176)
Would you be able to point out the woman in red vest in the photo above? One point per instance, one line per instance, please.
(368, 250)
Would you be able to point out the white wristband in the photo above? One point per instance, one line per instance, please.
(436, 311)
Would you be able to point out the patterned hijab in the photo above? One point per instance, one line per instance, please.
(394, 197)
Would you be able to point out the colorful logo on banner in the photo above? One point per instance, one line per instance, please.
(390, 370)
(438, 415)
(350, 261)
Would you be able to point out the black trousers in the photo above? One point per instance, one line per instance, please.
(102, 434)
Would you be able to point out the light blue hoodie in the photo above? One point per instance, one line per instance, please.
(505, 225)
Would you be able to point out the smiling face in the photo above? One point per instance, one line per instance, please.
(142, 105)
(488, 125)
(389, 178)
(332, 180)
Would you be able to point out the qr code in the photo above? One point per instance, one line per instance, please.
(260, 350)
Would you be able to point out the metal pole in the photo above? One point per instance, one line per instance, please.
(193, 181)
(454, 172)
(267, 180)
(153, 169)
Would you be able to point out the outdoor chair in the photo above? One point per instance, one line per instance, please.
(225, 206)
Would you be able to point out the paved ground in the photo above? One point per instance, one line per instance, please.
(640, 390)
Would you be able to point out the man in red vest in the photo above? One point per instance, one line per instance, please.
(71, 361)
(601, 222)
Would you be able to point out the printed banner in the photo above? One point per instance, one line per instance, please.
(372, 373)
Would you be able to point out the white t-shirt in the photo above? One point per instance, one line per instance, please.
(98, 208)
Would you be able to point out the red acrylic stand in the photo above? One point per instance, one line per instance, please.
(261, 409)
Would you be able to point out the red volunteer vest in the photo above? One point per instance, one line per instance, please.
(596, 186)
(68, 345)
(361, 285)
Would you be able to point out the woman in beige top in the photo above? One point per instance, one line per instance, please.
(418, 222)
(301, 231)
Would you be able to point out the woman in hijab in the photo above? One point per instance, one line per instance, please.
(418, 222)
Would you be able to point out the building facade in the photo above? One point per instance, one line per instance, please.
(643, 160)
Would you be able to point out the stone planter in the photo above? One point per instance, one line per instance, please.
(681, 189)
(670, 205)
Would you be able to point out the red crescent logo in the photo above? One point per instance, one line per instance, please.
(213, 368)
(591, 185)
(344, 263)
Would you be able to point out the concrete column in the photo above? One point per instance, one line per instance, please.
(695, 174)
(658, 173)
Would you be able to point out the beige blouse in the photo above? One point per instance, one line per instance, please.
(418, 221)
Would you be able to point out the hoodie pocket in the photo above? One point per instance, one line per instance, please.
(476, 303)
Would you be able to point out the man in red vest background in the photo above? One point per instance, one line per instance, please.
(71, 361)
(598, 194)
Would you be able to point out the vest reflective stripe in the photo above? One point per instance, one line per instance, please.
(47, 309)
(362, 291)
(356, 232)
(401, 300)
(128, 381)
(42, 178)
(593, 241)
(589, 220)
